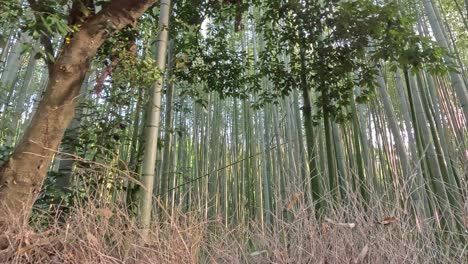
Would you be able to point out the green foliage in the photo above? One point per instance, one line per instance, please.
(52, 195)
(222, 67)
(11, 14)
(136, 72)
(104, 130)
(5, 152)
(193, 13)
(329, 46)
(49, 20)
(404, 49)
(343, 44)
(209, 55)
(52, 202)
(131, 70)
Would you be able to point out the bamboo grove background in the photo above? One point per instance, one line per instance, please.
(404, 151)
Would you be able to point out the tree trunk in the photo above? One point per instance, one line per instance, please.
(69, 144)
(22, 176)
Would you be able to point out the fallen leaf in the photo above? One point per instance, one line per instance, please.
(293, 201)
(350, 225)
(388, 220)
(258, 253)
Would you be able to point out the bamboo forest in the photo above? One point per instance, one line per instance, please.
(233, 131)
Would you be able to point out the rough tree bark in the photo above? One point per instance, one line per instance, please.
(22, 176)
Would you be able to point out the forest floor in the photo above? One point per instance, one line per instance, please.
(107, 234)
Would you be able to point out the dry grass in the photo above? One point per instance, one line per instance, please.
(101, 231)
(107, 234)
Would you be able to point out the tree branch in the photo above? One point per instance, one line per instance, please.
(45, 39)
(97, 28)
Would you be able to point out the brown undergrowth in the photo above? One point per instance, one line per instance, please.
(101, 230)
(107, 234)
